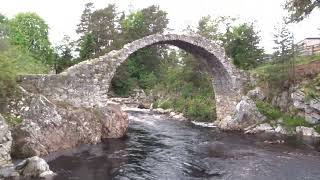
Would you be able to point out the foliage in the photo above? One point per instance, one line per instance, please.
(100, 31)
(317, 128)
(150, 20)
(290, 121)
(300, 9)
(30, 32)
(4, 26)
(283, 39)
(274, 113)
(141, 70)
(87, 45)
(186, 87)
(242, 45)
(83, 26)
(12, 121)
(214, 28)
(311, 90)
(13, 61)
(271, 112)
(64, 58)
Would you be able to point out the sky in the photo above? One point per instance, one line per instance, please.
(62, 16)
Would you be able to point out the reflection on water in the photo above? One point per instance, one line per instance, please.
(158, 148)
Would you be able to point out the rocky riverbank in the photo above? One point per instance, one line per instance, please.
(39, 126)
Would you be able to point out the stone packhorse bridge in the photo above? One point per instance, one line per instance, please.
(86, 84)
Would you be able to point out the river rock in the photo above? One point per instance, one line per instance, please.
(307, 131)
(245, 116)
(5, 143)
(282, 101)
(34, 167)
(265, 127)
(298, 98)
(115, 122)
(256, 94)
(280, 129)
(50, 126)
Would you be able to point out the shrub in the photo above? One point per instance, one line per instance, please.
(271, 112)
(12, 121)
(13, 62)
(290, 121)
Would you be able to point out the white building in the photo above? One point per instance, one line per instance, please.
(309, 46)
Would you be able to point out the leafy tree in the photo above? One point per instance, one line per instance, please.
(83, 26)
(142, 67)
(300, 9)
(279, 75)
(64, 57)
(283, 39)
(242, 45)
(99, 30)
(105, 28)
(4, 29)
(87, 46)
(150, 20)
(30, 32)
(214, 28)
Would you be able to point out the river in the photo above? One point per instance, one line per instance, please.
(160, 148)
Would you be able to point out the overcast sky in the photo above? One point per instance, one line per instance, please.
(62, 16)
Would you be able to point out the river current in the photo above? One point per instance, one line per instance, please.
(160, 148)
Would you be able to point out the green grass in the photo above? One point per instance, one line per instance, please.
(291, 121)
(12, 121)
(310, 89)
(271, 112)
(317, 128)
(262, 69)
(288, 121)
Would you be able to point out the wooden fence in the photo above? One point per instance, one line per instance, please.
(309, 50)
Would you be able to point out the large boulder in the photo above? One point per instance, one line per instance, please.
(246, 115)
(282, 101)
(115, 123)
(50, 126)
(34, 167)
(307, 131)
(5, 143)
(308, 109)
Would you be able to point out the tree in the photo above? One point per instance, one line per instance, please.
(142, 68)
(4, 27)
(64, 57)
(300, 9)
(283, 39)
(99, 30)
(83, 26)
(30, 32)
(214, 28)
(87, 46)
(150, 20)
(242, 45)
(105, 28)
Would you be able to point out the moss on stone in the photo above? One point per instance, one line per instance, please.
(12, 120)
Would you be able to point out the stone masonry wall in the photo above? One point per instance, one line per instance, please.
(86, 84)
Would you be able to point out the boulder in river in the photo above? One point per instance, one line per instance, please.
(5, 143)
(245, 116)
(34, 167)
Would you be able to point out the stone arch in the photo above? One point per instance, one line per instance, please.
(86, 84)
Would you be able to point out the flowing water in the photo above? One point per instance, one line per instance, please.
(159, 148)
